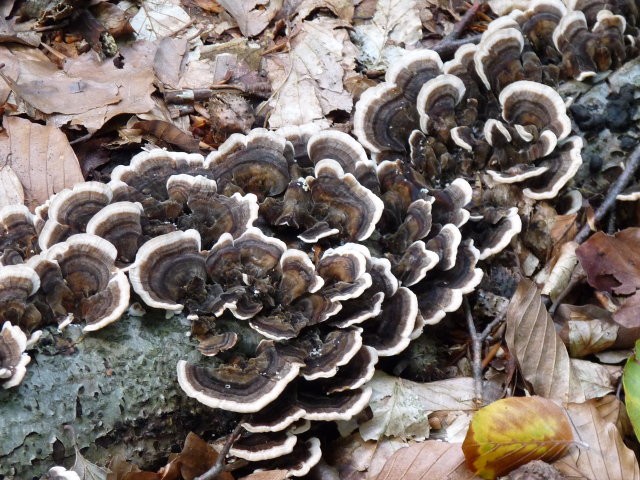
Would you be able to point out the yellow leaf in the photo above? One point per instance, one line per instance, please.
(514, 431)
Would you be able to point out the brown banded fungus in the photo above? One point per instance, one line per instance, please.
(302, 256)
(13, 359)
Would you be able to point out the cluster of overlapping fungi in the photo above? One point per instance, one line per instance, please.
(301, 256)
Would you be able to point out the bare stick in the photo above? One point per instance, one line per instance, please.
(610, 199)
(218, 467)
(446, 48)
(476, 348)
(464, 22)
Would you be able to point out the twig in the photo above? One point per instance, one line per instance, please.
(610, 199)
(476, 348)
(218, 467)
(464, 22)
(446, 48)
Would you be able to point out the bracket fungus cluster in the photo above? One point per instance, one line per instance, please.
(302, 256)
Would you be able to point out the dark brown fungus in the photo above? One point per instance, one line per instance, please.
(17, 284)
(246, 387)
(327, 355)
(17, 231)
(263, 446)
(70, 210)
(342, 202)
(389, 332)
(215, 344)
(100, 290)
(119, 223)
(13, 359)
(164, 268)
(257, 163)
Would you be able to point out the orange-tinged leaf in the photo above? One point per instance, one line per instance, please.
(514, 431)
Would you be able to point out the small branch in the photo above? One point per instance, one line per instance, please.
(219, 466)
(446, 48)
(477, 341)
(476, 352)
(464, 22)
(610, 199)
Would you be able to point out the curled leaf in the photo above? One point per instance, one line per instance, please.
(514, 431)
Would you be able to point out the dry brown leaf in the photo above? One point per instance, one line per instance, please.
(159, 18)
(343, 9)
(396, 24)
(357, 459)
(308, 82)
(134, 83)
(42, 159)
(586, 329)
(606, 458)
(11, 191)
(267, 475)
(43, 86)
(209, 5)
(597, 380)
(401, 407)
(542, 357)
(168, 60)
(169, 133)
(252, 16)
(427, 460)
(612, 410)
(612, 262)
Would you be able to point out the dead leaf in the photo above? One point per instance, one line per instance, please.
(134, 82)
(168, 60)
(50, 90)
(267, 475)
(605, 457)
(612, 263)
(343, 9)
(159, 18)
(42, 159)
(252, 16)
(596, 380)
(356, 458)
(586, 329)
(396, 24)
(308, 82)
(514, 431)
(542, 357)
(169, 133)
(87, 470)
(209, 5)
(113, 18)
(401, 407)
(11, 191)
(430, 459)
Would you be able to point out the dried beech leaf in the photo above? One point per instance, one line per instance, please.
(159, 18)
(401, 407)
(308, 82)
(396, 23)
(356, 458)
(612, 263)
(87, 470)
(514, 431)
(267, 475)
(42, 159)
(134, 83)
(430, 459)
(631, 382)
(597, 380)
(252, 16)
(542, 357)
(586, 329)
(169, 133)
(606, 457)
(11, 191)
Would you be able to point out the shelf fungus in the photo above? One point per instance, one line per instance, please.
(303, 256)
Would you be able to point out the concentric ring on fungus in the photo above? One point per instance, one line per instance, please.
(310, 254)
